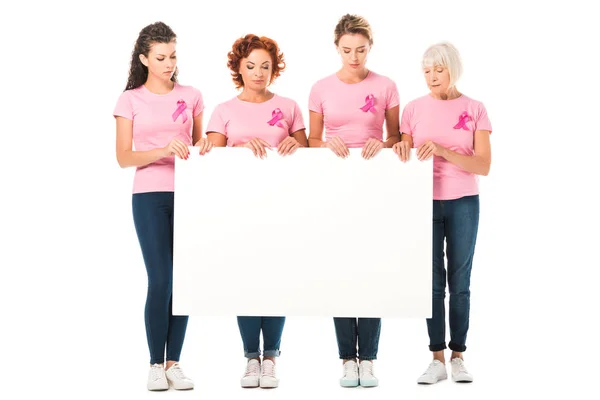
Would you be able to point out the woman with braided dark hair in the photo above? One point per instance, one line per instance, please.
(162, 119)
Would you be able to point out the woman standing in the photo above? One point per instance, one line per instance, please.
(455, 130)
(349, 108)
(258, 119)
(161, 117)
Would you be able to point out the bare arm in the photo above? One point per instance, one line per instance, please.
(392, 125)
(479, 163)
(300, 136)
(407, 138)
(217, 139)
(197, 129)
(126, 157)
(315, 136)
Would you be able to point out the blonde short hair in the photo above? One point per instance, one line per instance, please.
(353, 24)
(446, 55)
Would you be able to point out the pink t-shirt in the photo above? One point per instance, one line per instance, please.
(158, 119)
(452, 124)
(354, 112)
(272, 120)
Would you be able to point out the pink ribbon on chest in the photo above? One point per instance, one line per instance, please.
(181, 106)
(277, 117)
(369, 104)
(462, 121)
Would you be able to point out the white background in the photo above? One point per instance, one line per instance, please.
(309, 228)
(73, 281)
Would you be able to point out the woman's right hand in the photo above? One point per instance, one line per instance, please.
(338, 146)
(402, 149)
(257, 146)
(176, 148)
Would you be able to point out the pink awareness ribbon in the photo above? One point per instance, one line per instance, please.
(277, 116)
(462, 121)
(369, 104)
(180, 111)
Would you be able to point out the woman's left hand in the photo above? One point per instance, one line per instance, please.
(371, 148)
(428, 149)
(288, 146)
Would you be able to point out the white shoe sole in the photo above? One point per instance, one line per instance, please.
(269, 385)
(158, 388)
(462, 379)
(423, 382)
(183, 387)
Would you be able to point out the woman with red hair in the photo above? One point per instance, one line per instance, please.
(258, 119)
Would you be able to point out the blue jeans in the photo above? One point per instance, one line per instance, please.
(457, 222)
(364, 332)
(153, 219)
(272, 329)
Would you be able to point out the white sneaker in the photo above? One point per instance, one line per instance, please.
(350, 378)
(365, 372)
(459, 372)
(177, 378)
(268, 379)
(157, 380)
(434, 373)
(251, 376)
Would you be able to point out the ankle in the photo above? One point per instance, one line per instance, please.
(439, 355)
(456, 354)
(170, 364)
(269, 358)
(350, 359)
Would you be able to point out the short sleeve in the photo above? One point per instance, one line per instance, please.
(315, 102)
(297, 122)
(392, 98)
(124, 108)
(482, 122)
(198, 103)
(217, 122)
(406, 122)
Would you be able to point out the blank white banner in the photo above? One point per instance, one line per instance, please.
(309, 234)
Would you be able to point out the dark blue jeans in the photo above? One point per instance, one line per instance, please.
(153, 219)
(457, 222)
(362, 331)
(272, 329)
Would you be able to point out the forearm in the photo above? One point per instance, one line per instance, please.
(315, 142)
(391, 141)
(130, 158)
(474, 164)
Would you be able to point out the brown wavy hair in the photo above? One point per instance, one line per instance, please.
(158, 32)
(242, 49)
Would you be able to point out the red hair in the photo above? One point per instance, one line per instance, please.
(242, 49)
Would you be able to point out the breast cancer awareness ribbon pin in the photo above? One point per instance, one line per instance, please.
(277, 116)
(180, 111)
(462, 121)
(369, 104)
